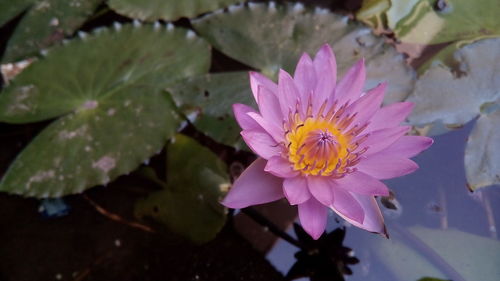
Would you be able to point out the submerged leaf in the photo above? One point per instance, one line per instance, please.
(189, 203)
(441, 96)
(46, 23)
(114, 114)
(286, 31)
(472, 256)
(207, 101)
(152, 10)
(482, 156)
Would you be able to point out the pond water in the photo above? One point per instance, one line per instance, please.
(439, 229)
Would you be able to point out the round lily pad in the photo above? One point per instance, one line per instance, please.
(207, 101)
(286, 31)
(46, 23)
(189, 203)
(113, 113)
(152, 10)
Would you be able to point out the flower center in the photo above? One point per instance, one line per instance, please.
(322, 145)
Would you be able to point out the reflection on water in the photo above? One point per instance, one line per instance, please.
(437, 227)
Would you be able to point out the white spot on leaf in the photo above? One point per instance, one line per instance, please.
(105, 164)
(66, 135)
(39, 177)
(90, 104)
(54, 22)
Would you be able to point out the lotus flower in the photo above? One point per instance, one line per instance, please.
(323, 145)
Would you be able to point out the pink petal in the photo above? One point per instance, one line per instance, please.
(288, 94)
(280, 167)
(305, 76)
(254, 186)
(381, 139)
(269, 106)
(408, 146)
(270, 127)
(326, 69)
(313, 216)
(295, 190)
(257, 79)
(373, 220)
(325, 64)
(261, 143)
(351, 85)
(321, 189)
(390, 116)
(361, 183)
(245, 121)
(347, 206)
(366, 106)
(382, 166)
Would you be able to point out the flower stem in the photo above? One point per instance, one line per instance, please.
(262, 220)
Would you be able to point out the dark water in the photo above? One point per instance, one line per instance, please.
(439, 229)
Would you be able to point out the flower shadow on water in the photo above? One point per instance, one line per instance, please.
(322, 259)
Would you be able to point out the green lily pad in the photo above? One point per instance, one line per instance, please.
(207, 100)
(372, 12)
(114, 114)
(433, 22)
(451, 98)
(482, 156)
(152, 10)
(472, 256)
(47, 22)
(398, 10)
(285, 31)
(189, 203)
(9, 9)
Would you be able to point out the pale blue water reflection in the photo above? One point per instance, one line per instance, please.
(439, 230)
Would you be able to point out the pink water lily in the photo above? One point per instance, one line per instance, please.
(323, 145)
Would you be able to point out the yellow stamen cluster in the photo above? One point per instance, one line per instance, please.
(323, 144)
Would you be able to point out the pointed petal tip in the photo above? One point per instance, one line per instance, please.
(232, 204)
(316, 236)
(426, 142)
(313, 217)
(284, 75)
(253, 187)
(429, 142)
(409, 104)
(255, 74)
(326, 48)
(304, 56)
(382, 85)
(384, 192)
(239, 107)
(315, 233)
(384, 233)
(360, 64)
